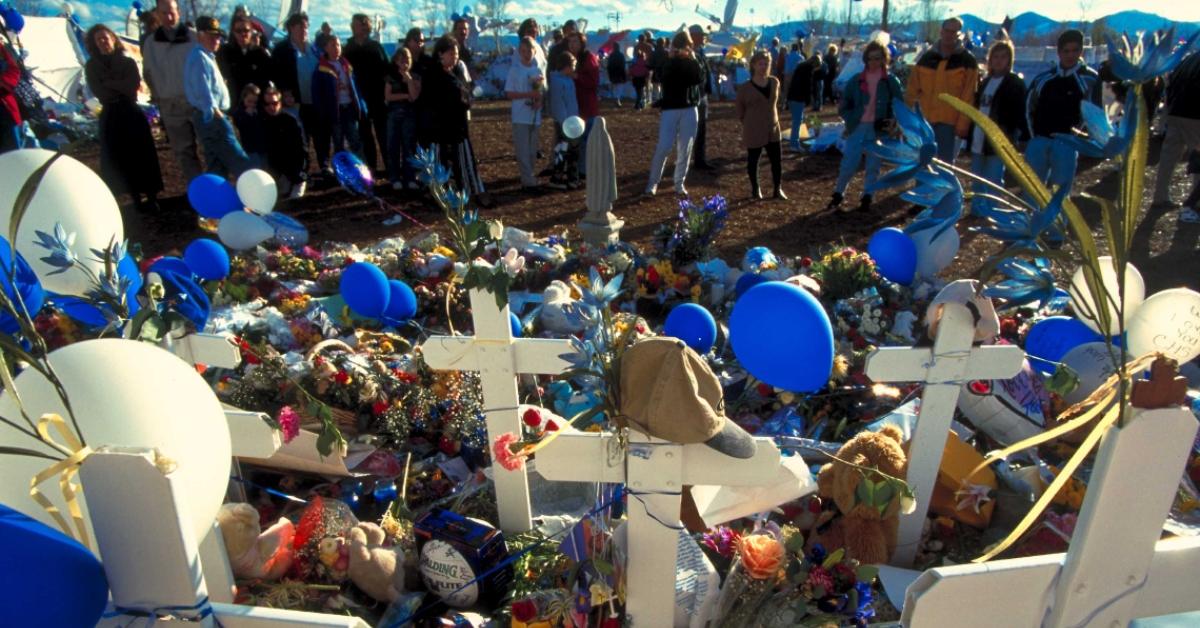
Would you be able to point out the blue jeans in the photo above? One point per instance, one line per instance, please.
(947, 142)
(222, 151)
(990, 167)
(401, 143)
(345, 131)
(1053, 162)
(797, 109)
(856, 144)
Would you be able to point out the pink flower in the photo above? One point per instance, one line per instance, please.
(289, 423)
(504, 455)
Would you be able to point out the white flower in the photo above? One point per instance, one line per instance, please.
(908, 503)
(495, 229)
(513, 262)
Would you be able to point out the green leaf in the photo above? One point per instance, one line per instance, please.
(866, 573)
(25, 197)
(583, 419)
(20, 451)
(884, 493)
(152, 329)
(325, 442)
(1134, 175)
(603, 566)
(864, 493)
(1013, 160)
(834, 558)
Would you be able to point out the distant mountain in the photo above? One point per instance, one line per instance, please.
(1133, 21)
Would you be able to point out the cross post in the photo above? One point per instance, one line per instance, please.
(500, 359)
(944, 369)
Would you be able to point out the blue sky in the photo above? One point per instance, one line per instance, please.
(667, 15)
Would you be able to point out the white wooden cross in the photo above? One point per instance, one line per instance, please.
(151, 558)
(944, 369)
(500, 359)
(654, 472)
(1116, 569)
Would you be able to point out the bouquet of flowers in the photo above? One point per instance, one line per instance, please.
(696, 229)
(844, 272)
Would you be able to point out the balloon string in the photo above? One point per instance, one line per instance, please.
(385, 205)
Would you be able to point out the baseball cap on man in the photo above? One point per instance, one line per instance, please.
(206, 24)
(669, 392)
(696, 29)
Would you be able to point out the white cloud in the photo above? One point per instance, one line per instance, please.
(535, 9)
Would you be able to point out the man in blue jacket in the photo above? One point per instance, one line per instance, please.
(205, 90)
(336, 99)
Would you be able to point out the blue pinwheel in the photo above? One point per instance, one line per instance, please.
(1147, 58)
(1103, 141)
(1026, 282)
(912, 153)
(939, 191)
(1021, 228)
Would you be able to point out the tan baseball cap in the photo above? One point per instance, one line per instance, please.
(669, 392)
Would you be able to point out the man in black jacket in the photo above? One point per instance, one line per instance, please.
(370, 64)
(242, 61)
(1001, 95)
(803, 90)
(1052, 106)
(1183, 124)
(295, 61)
(699, 38)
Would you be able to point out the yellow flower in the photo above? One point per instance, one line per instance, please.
(762, 556)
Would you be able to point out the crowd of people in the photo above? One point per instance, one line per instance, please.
(225, 94)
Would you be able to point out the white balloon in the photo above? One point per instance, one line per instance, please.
(70, 194)
(257, 191)
(1083, 302)
(934, 254)
(243, 230)
(573, 127)
(1094, 363)
(1169, 323)
(125, 394)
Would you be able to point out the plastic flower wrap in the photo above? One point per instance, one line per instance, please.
(844, 272)
(695, 230)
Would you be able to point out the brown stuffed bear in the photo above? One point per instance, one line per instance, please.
(254, 553)
(867, 534)
(377, 570)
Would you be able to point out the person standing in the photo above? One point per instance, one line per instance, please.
(530, 28)
(242, 61)
(248, 120)
(587, 89)
(562, 105)
(1052, 106)
(682, 79)
(658, 62)
(524, 88)
(1183, 125)
(370, 64)
(699, 153)
(335, 97)
(163, 57)
(947, 68)
(866, 106)
(832, 66)
(401, 92)
(560, 45)
(461, 29)
(1001, 96)
(10, 112)
(448, 100)
(638, 74)
(801, 91)
(206, 92)
(793, 59)
(286, 147)
(757, 107)
(617, 73)
(128, 160)
(294, 62)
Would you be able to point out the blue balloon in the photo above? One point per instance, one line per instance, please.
(44, 594)
(213, 197)
(515, 324)
(782, 335)
(365, 289)
(895, 255)
(746, 282)
(171, 264)
(184, 295)
(25, 284)
(759, 258)
(353, 174)
(692, 324)
(288, 230)
(402, 302)
(1052, 338)
(207, 259)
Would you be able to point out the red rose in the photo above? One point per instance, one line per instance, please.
(342, 377)
(764, 390)
(551, 426)
(806, 261)
(524, 610)
(532, 418)
(379, 407)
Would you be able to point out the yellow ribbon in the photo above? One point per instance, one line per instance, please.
(1102, 406)
(66, 470)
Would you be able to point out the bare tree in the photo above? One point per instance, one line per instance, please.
(1085, 10)
(929, 12)
(431, 10)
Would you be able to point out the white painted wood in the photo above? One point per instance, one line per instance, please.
(1122, 517)
(218, 575)
(1017, 593)
(250, 435)
(654, 471)
(951, 362)
(151, 559)
(500, 359)
(207, 349)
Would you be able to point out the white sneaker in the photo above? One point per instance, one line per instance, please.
(681, 191)
(298, 191)
(650, 191)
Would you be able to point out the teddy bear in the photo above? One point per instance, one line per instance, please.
(867, 532)
(377, 570)
(254, 553)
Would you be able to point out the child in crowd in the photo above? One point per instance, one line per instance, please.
(400, 92)
(287, 152)
(248, 120)
(563, 105)
(336, 99)
(638, 73)
(524, 89)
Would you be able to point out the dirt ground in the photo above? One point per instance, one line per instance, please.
(1167, 254)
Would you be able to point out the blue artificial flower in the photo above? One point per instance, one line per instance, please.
(1146, 59)
(599, 294)
(865, 599)
(1024, 229)
(939, 191)
(1027, 282)
(913, 152)
(1102, 140)
(61, 256)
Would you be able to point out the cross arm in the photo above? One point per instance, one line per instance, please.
(466, 353)
(904, 364)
